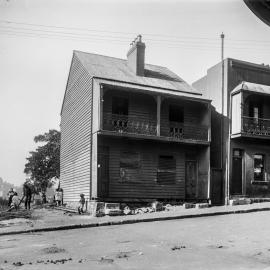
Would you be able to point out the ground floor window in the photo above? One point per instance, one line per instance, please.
(130, 164)
(259, 162)
(166, 170)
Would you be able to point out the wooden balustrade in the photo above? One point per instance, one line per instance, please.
(129, 124)
(144, 126)
(188, 131)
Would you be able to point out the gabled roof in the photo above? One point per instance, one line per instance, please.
(116, 69)
(253, 87)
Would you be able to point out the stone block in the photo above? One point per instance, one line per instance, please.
(96, 209)
(243, 201)
(233, 202)
(157, 206)
(201, 205)
(189, 205)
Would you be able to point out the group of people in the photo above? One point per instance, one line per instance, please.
(14, 201)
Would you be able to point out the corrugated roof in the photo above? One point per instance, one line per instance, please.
(254, 87)
(117, 69)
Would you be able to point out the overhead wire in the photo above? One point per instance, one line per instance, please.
(125, 33)
(48, 31)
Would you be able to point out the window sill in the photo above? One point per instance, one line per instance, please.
(259, 183)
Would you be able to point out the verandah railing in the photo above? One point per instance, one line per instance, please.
(129, 124)
(256, 126)
(187, 131)
(144, 126)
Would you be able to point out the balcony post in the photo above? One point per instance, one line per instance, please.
(209, 121)
(101, 108)
(242, 111)
(158, 98)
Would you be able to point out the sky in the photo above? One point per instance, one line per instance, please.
(37, 38)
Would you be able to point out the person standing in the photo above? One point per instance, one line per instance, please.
(27, 193)
(10, 195)
(15, 201)
(43, 197)
(58, 197)
(81, 204)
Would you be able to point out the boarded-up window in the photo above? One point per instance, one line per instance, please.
(166, 170)
(130, 166)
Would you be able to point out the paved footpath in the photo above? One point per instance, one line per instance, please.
(52, 220)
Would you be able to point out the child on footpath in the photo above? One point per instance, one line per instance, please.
(81, 204)
(15, 202)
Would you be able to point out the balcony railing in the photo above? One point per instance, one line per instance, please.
(256, 126)
(187, 131)
(129, 124)
(138, 125)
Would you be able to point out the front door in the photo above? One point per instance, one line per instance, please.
(191, 180)
(237, 169)
(103, 172)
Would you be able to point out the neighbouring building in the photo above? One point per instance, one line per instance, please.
(240, 146)
(132, 132)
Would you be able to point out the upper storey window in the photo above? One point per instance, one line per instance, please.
(176, 114)
(255, 110)
(120, 105)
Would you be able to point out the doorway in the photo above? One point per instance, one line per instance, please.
(103, 171)
(191, 179)
(237, 172)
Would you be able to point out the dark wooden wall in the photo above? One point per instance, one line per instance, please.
(250, 148)
(76, 134)
(239, 72)
(141, 106)
(194, 114)
(146, 186)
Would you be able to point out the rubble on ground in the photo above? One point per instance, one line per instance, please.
(5, 215)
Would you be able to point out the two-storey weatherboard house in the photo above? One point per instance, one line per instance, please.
(131, 131)
(250, 140)
(240, 146)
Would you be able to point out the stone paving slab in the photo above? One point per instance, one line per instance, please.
(50, 220)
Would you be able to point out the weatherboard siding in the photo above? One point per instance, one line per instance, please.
(76, 134)
(145, 186)
(141, 106)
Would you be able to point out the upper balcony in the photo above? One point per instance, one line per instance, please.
(139, 115)
(124, 124)
(250, 112)
(256, 126)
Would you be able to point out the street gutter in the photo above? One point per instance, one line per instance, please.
(133, 221)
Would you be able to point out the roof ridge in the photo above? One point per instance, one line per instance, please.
(125, 60)
(77, 51)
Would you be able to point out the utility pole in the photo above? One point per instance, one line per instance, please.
(223, 161)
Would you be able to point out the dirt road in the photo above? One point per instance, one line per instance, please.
(223, 242)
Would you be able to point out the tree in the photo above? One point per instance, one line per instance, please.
(44, 163)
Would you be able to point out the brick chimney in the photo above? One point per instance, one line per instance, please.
(135, 56)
